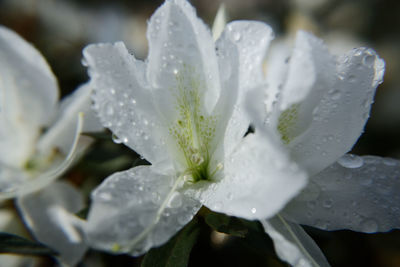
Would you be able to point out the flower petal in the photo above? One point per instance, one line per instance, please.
(122, 101)
(61, 134)
(252, 39)
(28, 97)
(49, 215)
(309, 73)
(137, 209)
(179, 42)
(258, 181)
(357, 193)
(25, 70)
(336, 122)
(293, 244)
(241, 50)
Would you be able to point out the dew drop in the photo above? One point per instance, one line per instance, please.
(237, 36)
(369, 59)
(109, 110)
(351, 161)
(175, 201)
(389, 162)
(366, 180)
(105, 196)
(335, 94)
(369, 226)
(116, 139)
(327, 203)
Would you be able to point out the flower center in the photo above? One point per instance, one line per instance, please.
(194, 129)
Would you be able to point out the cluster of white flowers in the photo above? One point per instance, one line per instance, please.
(187, 110)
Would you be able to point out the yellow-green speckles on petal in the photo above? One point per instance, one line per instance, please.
(194, 129)
(286, 123)
(115, 247)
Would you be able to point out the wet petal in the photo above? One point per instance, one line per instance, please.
(49, 216)
(137, 209)
(122, 101)
(356, 193)
(180, 43)
(61, 134)
(28, 96)
(258, 181)
(339, 118)
(241, 50)
(293, 244)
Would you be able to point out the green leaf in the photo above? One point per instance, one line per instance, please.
(83, 213)
(10, 243)
(176, 252)
(226, 224)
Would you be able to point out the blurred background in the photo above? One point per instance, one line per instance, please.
(60, 29)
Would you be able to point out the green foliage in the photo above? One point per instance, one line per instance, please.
(226, 224)
(15, 244)
(176, 252)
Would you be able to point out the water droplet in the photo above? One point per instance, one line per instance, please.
(369, 226)
(175, 201)
(352, 78)
(237, 36)
(109, 109)
(389, 162)
(133, 101)
(116, 139)
(84, 62)
(366, 180)
(327, 203)
(253, 210)
(105, 196)
(351, 161)
(369, 59)
(155, 198)
(335, 94)
(112, 91)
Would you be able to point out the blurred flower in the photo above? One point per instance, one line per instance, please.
(30, 160)
(182, 110)
(317, 104)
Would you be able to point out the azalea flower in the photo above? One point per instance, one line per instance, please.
(31, 160)
(182, 110)
(316, 105)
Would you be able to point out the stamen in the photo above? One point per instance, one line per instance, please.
(47, 177)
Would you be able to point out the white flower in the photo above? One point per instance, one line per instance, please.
(30, 160)
(181, 110)
(317, 104)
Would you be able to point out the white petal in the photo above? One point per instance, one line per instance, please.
(28, 97)
(179, 42)
(338, 119)
(49, 215)
(356, 193)
(310, 72)
(252, 39)
(219, 22)
(123, 103)
(258, 180)
(241, 50)
(137, 209)
(61, 134)
(25, 70)
(293, 244)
